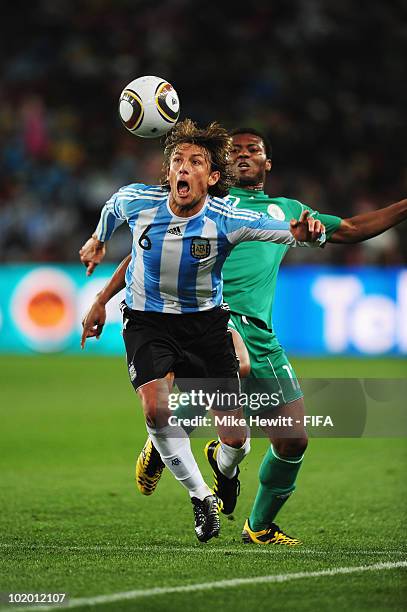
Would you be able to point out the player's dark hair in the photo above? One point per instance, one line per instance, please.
(214, 139)
(250, 130)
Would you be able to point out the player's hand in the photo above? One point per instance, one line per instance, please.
(306, 228)
(92, 253)
(93, 322)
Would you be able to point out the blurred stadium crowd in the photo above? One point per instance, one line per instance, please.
(324, 79)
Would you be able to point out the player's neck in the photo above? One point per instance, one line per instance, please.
(186, 210)
(251, 187)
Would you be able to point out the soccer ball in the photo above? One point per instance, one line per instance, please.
(149, 106)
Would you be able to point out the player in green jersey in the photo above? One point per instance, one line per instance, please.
(250, 274)
(250, 297)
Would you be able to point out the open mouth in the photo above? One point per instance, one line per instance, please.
(182, 188)
(243, 165)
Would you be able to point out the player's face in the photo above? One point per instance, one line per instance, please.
(189, 177)
(249, 160)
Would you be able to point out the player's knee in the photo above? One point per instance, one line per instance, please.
(150, 410)
(291, 447)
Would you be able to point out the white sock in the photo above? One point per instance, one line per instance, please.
(229, 457)
(175, 449)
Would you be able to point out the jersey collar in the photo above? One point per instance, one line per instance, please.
(254, 193)
(198, 214)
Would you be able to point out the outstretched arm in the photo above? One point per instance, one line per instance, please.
(367, 225)
(249, 225)
(95, 318)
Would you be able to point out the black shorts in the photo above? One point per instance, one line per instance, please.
(194, 346)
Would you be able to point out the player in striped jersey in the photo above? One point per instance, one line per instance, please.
(177, 259)
(250, 276)
(173, 320)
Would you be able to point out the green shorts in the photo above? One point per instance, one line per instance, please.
(272, 381)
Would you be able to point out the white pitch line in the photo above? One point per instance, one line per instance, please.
(202, 549)
(219, 584)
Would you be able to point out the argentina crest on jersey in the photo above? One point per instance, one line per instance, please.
(200, 248)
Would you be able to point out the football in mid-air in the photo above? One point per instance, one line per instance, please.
(149, 106)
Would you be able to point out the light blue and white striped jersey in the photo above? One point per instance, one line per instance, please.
(177, 261)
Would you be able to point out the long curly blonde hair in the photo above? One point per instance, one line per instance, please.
(216, 142)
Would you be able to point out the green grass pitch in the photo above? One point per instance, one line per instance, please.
(72, 521)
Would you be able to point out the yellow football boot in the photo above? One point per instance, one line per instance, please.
(149, 468)
(271, 535)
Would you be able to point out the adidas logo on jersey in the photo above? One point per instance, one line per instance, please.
(175, 230)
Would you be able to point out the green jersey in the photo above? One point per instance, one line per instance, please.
(250, 271)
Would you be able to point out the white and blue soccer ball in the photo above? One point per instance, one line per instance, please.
(149, 106)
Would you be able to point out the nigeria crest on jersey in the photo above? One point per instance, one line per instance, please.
(200, 248)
